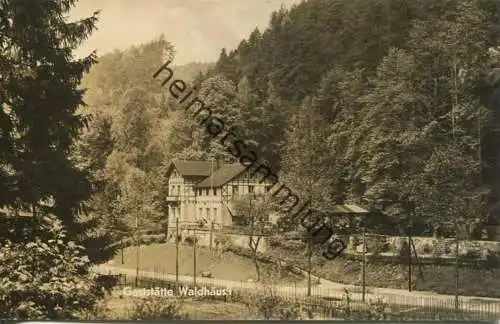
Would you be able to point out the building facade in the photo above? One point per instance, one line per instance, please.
(203, 191)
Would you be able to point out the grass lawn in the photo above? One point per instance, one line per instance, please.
(228, 266)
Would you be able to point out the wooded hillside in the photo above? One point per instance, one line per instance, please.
(392, 105)
(388, 104)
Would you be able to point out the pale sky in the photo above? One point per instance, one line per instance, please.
(197, 28)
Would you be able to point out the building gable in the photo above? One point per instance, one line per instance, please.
(222, 175)
(250, 176)
(190, 168)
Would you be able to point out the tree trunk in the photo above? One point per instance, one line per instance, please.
(256, 261)
(435, 231)
(255, 248)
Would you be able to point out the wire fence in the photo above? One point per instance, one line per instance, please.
(429, 266)
(327, 302)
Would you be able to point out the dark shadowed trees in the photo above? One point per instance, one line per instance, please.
(40, 120)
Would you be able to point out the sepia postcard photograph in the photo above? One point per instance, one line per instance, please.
(165, 160)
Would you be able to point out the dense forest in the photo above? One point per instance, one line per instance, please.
(389, 104)
(131, 136)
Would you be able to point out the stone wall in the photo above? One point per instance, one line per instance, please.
(203, 238)
(424, 246)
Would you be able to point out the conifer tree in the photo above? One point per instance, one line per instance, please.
(39, 121)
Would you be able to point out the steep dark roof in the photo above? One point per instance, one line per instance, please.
(221, 176)
(192, 168)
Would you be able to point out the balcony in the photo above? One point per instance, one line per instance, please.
(173, 198)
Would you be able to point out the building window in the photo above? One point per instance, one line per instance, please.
(251, 189)
(235, 190)
(178, 190)
(215, 214)
(208, 213)
(207, 193)
(215, 191)
(173, 191)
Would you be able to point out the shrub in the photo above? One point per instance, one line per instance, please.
(46, 278)
(191, 240)
(319, 260)
(293, 245)
(158, 309)
(268, 305)
(371, 310)
(274, 241)
(447, 248)
(238, 297)
(126, 242)
(356, 240)
(222, 241)
(404, 250)
(293, 311)
(380, 245)
(157, 238)
(98, 313)
(162, 238)
(492, 259)
(293, 235)
(108, 282)
(437, 248)
(471, 255)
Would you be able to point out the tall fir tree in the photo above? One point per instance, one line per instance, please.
(39, 121)
(250, 116)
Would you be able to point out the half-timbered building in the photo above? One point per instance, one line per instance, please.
(203, 191)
